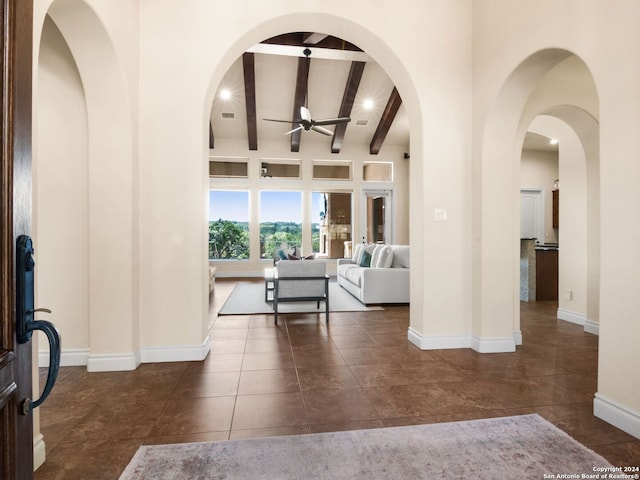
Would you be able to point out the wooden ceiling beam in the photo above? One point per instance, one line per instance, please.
(348, 98)
(298, 40)
(389, 114)
(248, 65)
(300, 98)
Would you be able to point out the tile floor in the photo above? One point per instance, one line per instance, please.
(301, 377)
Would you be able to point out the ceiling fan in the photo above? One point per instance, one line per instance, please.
(305, 121)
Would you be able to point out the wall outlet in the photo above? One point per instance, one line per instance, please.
(568, 295)
(440, 215)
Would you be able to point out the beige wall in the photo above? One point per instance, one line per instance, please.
(466, 81)
(598, 33)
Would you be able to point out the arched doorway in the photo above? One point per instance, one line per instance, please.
(528, 92)
(399, 75)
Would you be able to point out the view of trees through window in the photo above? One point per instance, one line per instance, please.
(280, 217)
(280, 222)
(228, 225)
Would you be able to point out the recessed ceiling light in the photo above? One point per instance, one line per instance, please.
(553, 141)
(368, 103)
(225, 94)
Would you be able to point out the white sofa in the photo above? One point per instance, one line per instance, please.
(385, 280)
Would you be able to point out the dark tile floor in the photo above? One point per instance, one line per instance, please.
(300, 377)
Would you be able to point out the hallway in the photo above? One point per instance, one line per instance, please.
(301, 377)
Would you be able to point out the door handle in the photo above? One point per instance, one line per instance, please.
(26, 324)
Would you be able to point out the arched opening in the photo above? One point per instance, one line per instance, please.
(550, 83)
(407, 214)
(250, 158)
(83, 231)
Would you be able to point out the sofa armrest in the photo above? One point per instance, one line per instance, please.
(385, 285)
(344, 261)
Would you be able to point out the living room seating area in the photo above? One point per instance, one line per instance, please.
(376, 273)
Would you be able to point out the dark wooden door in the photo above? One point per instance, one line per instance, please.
(16, 428)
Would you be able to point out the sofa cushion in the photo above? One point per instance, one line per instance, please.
(384, 258)
(357, 252)
(377, 248)
(400, 256)
(351, 272)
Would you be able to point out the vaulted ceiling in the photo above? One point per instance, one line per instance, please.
(336, 79)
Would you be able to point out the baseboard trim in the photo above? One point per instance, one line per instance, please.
(39, 452)
(618, 415)
(592, 327)
(493, 345)
(517, 336)
(113, 362)
(438, 343)
(181, 353)
(70, 357)
(481, 345)
(573, 317)
(579, 319)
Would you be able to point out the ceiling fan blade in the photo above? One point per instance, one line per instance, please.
(293, 131)
(305, 114)
(281, 121)
(332, 121)
(321, 130)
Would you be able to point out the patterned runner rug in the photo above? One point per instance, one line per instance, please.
(521, 447)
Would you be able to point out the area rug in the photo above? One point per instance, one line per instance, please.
(521, 447)
(248, 298)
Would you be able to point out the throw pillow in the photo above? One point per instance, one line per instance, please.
(365, 260)
(292, 257)
(385, 257)
(357, 253)
(282, 255)
(377, 248)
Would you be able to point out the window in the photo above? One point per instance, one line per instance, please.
(279, 169)
(377, 172)
(330, 223)
(228, 225)
(280, 223)
(228, 167)
(331, 170)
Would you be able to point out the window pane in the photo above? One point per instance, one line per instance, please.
(228, 225)
(331, 171)
(330, 223)
(228, 168)
(377, 172)
(280, 223)
(275, 169)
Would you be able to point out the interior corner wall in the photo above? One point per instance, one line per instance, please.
(60, 172)
(84, 152)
